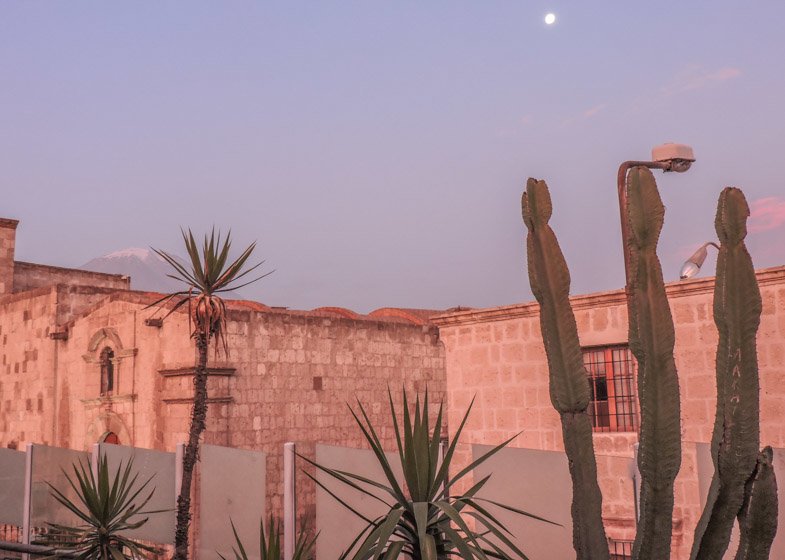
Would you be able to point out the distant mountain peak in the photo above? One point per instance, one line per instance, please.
(148, 271)
(132, 252)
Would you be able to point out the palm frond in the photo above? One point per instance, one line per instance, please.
(207, 274)
(423, 521)
(106, 505)
(270, 547)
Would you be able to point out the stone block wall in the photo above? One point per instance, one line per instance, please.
(497, 356)
(28, 276)
(7, 245)
(288, 376)
(27, 391)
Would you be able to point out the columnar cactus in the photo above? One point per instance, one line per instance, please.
(736, 439)
(744, 485)
(569, 386)
(652, 339)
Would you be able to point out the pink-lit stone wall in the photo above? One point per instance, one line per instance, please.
(7, 247)
(288, 376)
(27, 354)
(497, 356)
(28, 276)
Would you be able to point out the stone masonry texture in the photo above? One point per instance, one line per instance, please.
(288, 375)
(498, 356)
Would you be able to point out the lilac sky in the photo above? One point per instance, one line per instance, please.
(377, 151)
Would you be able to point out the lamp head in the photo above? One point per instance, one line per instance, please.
(688, 270)
(692, 266)
(679, 156)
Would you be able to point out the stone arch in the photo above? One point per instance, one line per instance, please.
(109, 437)
(102, 340)
(100, 335)
(104, 423)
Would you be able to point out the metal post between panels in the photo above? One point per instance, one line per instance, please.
(27, 508)
(289, 502)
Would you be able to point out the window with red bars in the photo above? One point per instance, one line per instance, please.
(613, 407)
(620, 550)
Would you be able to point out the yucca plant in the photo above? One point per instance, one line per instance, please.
(270, 547)
(107, 505)
(208, 275)
(424, 521)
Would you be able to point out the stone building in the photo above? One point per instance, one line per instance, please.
(84, 359)
(497, 355)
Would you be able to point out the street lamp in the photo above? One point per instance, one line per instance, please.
(668, 157)
(692, 265)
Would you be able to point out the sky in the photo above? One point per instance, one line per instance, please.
(377, 151)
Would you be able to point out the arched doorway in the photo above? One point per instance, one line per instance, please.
(109, 437)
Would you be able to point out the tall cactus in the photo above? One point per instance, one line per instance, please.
(652, 339)
(736, 438)
(569, 386)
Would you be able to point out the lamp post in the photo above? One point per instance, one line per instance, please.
(692, 266)
(668, 157)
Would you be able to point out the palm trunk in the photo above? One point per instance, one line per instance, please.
(198, 417)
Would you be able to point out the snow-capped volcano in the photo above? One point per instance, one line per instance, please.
(138, 252)
(147, 270)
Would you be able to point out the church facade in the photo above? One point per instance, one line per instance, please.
(84, 359)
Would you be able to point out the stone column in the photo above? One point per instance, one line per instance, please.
(7, 243)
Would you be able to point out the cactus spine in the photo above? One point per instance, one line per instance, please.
(569, 388)
(652, 339)
(736, 438)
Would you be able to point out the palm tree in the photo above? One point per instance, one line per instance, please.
(206, 277)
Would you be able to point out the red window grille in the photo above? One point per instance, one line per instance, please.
(620, 550)
(613, 406)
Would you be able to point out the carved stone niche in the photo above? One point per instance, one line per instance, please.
(108, 370)
(107, 422)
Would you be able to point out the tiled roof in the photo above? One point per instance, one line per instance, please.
(386, 314)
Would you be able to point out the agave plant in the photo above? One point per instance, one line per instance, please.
(424, 521)
(270, 544)
(208, 275)
(107, 506)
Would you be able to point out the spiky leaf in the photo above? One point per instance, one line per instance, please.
(108, 504)
(423, 520)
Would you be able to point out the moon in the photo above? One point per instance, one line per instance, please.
(550, 19)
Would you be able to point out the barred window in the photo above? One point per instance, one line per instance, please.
(613, 406)
(620, 550)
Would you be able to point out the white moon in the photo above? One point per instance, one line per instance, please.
(550, 19)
